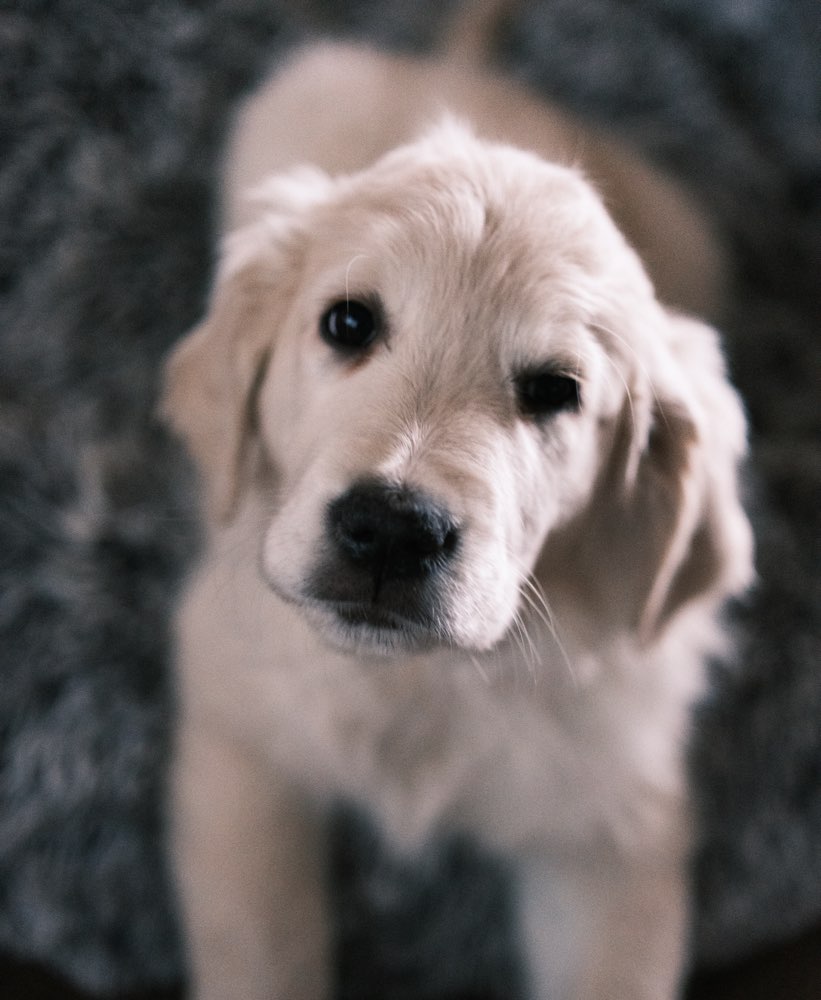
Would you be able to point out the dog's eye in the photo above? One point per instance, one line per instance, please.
(543, 393)
(349, 326)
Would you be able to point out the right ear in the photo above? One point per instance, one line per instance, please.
(209, 380)
(210, 377)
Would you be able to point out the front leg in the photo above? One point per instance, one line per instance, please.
(602, 929)
(250, 866)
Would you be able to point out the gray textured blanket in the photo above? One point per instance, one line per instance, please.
(111, 114)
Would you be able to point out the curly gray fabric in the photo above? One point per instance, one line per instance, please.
(111, 120)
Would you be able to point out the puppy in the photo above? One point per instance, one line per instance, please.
(472, 513)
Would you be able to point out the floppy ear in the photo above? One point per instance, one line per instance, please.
(696, 447)
(211, 376)
(665, 525)
(209, 382)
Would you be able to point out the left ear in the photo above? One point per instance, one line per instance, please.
(211, 375)
(209, 379)
(696, 445)
(664, 526)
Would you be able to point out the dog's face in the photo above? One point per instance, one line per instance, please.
(449, 374)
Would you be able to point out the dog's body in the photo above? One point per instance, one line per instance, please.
(473, 515)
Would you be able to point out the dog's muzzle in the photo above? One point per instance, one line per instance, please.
(388, 550)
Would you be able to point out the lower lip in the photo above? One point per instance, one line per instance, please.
(362, 617)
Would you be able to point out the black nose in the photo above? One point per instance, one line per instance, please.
(391, 532)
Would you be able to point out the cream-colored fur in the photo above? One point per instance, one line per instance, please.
(533, 688)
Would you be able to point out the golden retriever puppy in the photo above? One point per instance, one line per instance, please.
(472, 516)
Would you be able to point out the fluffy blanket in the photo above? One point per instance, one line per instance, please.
(111, 118)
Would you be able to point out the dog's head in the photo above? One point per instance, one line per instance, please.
(448, 374)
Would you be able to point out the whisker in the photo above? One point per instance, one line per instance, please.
(351, 262)
(530, 653)
(480, 669)
(536, 600)
(627, 391)
(639, 362)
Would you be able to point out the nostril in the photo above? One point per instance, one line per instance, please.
(431, 534)
(358, 539)
(362, 536)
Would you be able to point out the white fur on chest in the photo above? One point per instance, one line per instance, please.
(517, 749)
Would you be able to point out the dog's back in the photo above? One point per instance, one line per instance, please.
(341, 106)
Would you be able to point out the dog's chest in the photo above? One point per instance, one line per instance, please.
(427, 742)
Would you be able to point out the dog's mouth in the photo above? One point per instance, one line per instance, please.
(400, 615)
(369, 616)
(363, 625)
(344, 608)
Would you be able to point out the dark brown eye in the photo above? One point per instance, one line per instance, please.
(543, 393)
(349, 326)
